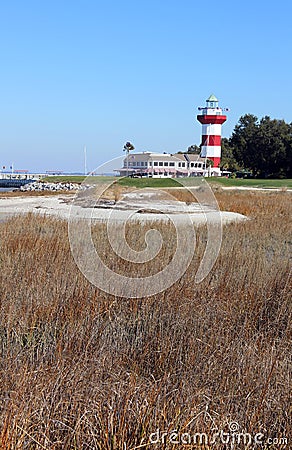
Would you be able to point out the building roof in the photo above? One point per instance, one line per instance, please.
(212, 98)
(147, 156)
(195, 157)
(180, 156)
(188, 157)
(163, 156)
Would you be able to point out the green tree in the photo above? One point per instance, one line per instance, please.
(228, 160)
(273, 147)
(194, 149)
(243, 141)
(264, 146)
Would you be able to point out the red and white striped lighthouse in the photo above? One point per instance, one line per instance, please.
(211, 118)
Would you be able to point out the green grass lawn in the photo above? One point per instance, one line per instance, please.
(265, 183)
(78, 179)
(172, 182)
(148, 182)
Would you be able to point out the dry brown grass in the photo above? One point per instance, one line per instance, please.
(84, 370)
(182, 194)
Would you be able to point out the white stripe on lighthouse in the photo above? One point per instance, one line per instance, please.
(211, 129)
(214, 151)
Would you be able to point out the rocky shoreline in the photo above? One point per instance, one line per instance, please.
(39, 186)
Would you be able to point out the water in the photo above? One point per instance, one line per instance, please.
(7, 189)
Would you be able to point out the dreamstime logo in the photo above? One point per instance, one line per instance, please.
(231, 437)
(91, 205)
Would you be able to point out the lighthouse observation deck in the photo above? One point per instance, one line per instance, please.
(212, 113)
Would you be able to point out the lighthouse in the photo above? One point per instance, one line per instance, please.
(211, 117)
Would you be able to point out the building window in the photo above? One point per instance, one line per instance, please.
(166, 164)
(171, 164)
(150, 163)
(179, 164)
(192, 164)
(183, 164)
(160, 163)
(155, 163)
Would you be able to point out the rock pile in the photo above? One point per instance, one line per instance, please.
(43, 186)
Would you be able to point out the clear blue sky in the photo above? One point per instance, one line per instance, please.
(99, 73)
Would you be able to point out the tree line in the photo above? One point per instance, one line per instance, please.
(263, 147)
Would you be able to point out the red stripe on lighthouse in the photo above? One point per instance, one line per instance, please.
(211, 140)
(211, 119)
(215, 160)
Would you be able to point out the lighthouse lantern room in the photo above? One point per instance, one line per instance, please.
(211, 117)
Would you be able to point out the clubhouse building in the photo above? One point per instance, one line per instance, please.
(160, 165)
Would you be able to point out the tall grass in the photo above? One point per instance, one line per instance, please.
(81, 369)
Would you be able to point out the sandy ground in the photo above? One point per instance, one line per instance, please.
(131, 207)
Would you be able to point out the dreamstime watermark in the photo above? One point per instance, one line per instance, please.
(232, 437)
(89, 206)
